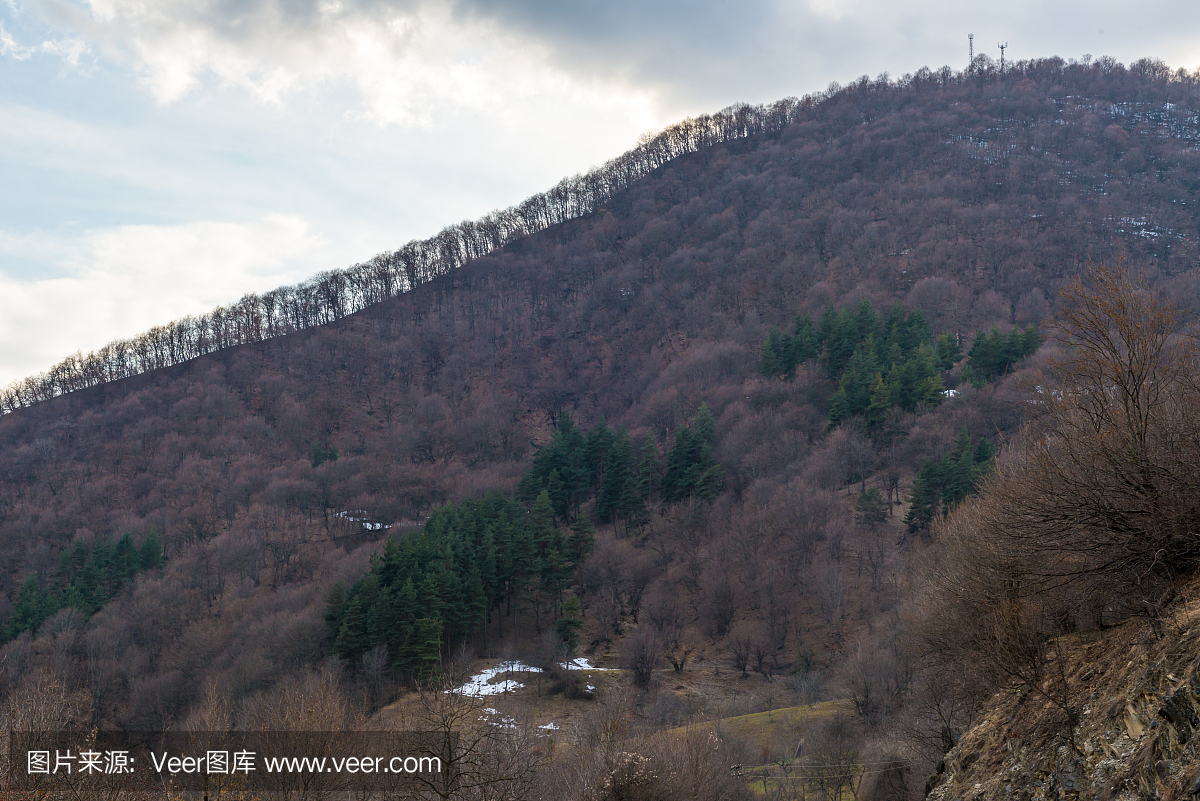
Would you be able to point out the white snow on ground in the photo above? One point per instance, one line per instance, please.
(480, 685)
(581, 663)
(360, 516)
(503, 722)
(551, 726)
(591, 688)
(950, 393)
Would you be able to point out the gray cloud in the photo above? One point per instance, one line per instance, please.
(762, 48)
(688, 45)
(691, 55)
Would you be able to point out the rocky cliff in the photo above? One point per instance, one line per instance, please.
(1114, 715)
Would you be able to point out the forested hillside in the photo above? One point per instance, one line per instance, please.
(710, 419)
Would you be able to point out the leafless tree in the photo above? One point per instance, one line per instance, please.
(481, 761)
(833, 764)
(1101, 489)
(741, 648)
(640, 654)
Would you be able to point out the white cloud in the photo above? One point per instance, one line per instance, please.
(413, 62)
(403, 62)
(9, 46)
(122, 280)
(71, 50)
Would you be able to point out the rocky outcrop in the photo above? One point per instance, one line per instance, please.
(1117, 716)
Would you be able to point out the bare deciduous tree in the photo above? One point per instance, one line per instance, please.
(481, 761)
(640, 654)
(1101, 490)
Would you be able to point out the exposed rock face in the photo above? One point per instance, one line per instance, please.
(1117, 716)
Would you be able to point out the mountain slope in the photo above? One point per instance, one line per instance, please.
(970, 198)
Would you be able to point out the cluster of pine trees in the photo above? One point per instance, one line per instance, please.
(782, 353)
(86, 579)
(879, 360)
(692, 472)
(600, 463)
(429, 591)
(992, 355)
(606, 465)
(944, 482)
(484, 558)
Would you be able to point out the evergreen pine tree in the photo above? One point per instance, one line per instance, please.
(455, 616)
(691, 469)
(475, 600)
(488, 572)
(839, 408)
(704, 425)
(610, 504)
(881, 403)
(29, 610)
(352, 638)
(647, 478)
(633, 508)
(150, 553)
(855, 383)
(871, 509)
(1031, 340)
(926, 500)
(773, 363)
(334, 603)
(429, 598)
(581, 541)
(674, 482)
(597, 453)
(422, 652)
(804, 341)
(568, 625)
(559, 495)
(841, 343)
(948, 352)
(124, 561)
(866, 321)
(405, 608)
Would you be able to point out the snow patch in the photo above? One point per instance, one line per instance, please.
(551, 726)
(581, 663)
(481, 685)
(360, 516)
(502, 722)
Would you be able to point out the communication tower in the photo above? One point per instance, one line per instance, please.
(1002, 46)
(971, 46)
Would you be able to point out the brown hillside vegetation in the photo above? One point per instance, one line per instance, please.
(271, 473)
(1088, 519)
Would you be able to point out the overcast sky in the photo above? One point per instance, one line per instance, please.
(159, 157)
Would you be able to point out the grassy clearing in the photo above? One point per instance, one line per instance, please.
(772, 739)
(766, 725)
(791, 716)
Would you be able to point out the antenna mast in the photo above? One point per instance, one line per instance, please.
(1002, 46)
(971, 45)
